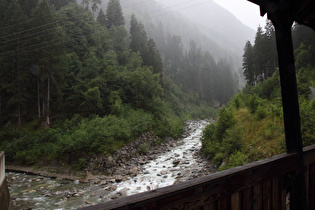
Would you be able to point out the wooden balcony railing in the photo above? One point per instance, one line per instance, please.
(4, 190)
(260, 185)
(2, 167)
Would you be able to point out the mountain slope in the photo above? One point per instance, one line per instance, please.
(213, 28)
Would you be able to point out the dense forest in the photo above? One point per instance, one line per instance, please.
(78, 80)
(251, 126)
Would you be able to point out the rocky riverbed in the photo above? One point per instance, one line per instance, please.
(170, 162)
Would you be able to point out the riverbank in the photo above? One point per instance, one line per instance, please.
(169, 163)
(123, 163)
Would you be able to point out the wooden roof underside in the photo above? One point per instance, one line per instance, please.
(301, 11)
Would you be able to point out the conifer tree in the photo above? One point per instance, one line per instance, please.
(248, 67)
(114, 15)
(101, 18)
(48, 57)
(138, 36)
(13, 73)
(153, 57)
(95, 4)
(59, 3)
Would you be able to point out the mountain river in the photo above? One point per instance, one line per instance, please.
(179, 163)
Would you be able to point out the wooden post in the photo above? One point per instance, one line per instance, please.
(293, 137)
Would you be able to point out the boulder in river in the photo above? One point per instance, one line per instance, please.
(176, 162)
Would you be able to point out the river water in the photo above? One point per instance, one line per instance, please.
(180, 163)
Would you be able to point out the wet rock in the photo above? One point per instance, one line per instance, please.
(176, 162)
(122, 192)
(134, 171)
(64, 183)
(142, 162)
(118, 179)
(163, 172)
(78, 194)
(168, 139)
(114, 187)
(103, 183)
(89, 202)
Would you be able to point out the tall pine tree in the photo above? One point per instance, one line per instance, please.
(114, 15)
(248, 64)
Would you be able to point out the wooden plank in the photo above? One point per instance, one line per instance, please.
(210, 206)
(311, 193)
(309, 154)
(223, 203)
(235, 201)
(247, 199)
(257, 197)
(276, 204)
(307, 180)
(214, 205)
(267, 192)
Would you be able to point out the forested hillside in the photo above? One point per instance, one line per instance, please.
(76, 80)
(251, 126)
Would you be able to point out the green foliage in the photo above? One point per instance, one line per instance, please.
(252, 103)
(170, 125)
(143, 149)
(80, 164)
(226, 121)
(93, 100)
(236, 159)
(220, 140)
(307, 113)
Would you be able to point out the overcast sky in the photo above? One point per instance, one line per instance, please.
(245, 11)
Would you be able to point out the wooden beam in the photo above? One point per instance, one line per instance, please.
(282, 20)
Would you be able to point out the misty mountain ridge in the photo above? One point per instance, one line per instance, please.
(215, 22)
(212, 27)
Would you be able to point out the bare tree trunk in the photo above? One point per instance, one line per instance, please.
(38, 98)
(48, 102)
(43, 101)
(19, 83)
